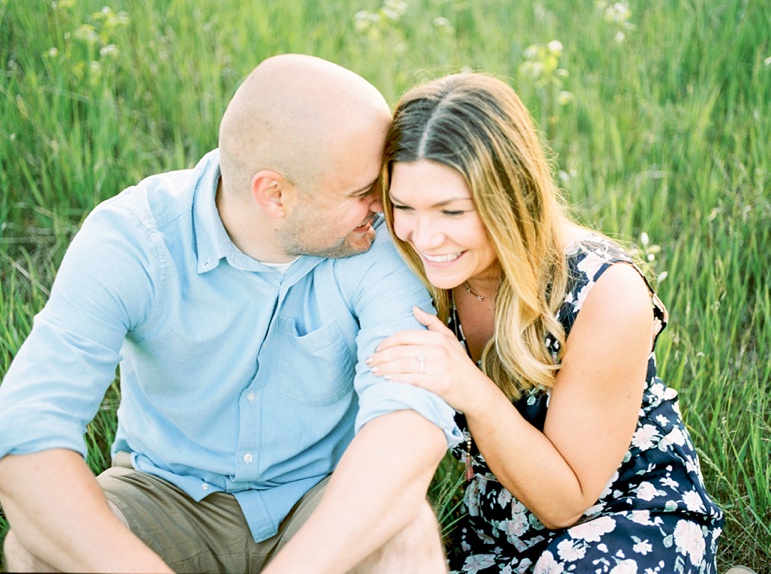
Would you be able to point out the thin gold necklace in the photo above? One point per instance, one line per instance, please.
(470, 292)
(469, 464)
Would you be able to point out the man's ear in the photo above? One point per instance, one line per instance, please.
(272, 192)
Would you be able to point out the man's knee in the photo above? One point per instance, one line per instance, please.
(18, 559)
(424, 525)
(418, 543)
(118, 514)
(417, 547)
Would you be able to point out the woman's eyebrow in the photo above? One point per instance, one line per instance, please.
(437, 204)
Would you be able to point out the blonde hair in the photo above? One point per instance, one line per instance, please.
(477, 125)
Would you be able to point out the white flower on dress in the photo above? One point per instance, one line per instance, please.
(658, 390)
(655, 570)
(693, 501)
(644, 438)
(472, 497)
(590, 265)
(662, 420)
(625, 567)
(515, 527)
(592, 510)
(517, 507)
(485, 538)
(477, 562)
(481, 481)
(675, 436)
(609, 486)
(670, 482)
(646, 491)
(641, 517)
(689, 540)
(643, 547)
(692, 465)
(593, 530)
(504, 497)
(569, 551)
(581, 295)
(547, 565)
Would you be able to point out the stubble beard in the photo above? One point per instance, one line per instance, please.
(294, 244)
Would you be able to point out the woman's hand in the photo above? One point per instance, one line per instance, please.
(433, 360)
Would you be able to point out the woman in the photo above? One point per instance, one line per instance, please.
(577, 458)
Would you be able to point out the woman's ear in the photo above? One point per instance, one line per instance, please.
(272, 192)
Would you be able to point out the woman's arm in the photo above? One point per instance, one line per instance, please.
(593, 409)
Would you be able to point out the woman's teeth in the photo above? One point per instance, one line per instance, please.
(441, 258)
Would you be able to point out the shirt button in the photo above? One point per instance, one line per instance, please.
(204, 486)
(251, 397)
(248, 458)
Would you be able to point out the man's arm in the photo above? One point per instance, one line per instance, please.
(53, 388)
(60, 516)
(375, 492)
(380, 483)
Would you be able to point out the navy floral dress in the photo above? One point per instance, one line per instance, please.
(654, 516)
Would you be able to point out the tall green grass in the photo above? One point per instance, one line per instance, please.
(666, 132)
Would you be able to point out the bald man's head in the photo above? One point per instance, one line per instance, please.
(296, 114)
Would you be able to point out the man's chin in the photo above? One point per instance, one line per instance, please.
(354, 244)
(359, 242)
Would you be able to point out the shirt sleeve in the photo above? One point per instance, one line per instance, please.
(385, 298)
(58, 378)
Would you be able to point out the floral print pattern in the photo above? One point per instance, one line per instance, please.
(654, 516)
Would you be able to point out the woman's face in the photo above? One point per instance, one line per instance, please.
(434, 213)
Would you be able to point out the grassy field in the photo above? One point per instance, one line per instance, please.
(657, 110)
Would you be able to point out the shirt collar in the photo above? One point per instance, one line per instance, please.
(212, 241)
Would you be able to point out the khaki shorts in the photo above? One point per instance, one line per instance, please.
(207, 536)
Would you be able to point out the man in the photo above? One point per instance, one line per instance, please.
(240, 298)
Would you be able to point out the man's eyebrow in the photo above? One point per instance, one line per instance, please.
(364, 189)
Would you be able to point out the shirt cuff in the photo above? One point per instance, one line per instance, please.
(387, 397)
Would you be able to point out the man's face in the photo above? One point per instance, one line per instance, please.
(332, 221)
(331, 215)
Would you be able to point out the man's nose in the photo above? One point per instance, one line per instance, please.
(376, 206)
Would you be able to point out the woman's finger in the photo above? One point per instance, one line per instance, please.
(399, 358)
(412, 365)
(429, 320)
(408, 337)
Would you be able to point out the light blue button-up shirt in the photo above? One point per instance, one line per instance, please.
(234, 377)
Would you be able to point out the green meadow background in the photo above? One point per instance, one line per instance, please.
(657, 112)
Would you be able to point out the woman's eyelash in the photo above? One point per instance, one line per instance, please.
(447, 212)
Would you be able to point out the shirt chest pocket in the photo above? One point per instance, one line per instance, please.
(316, 367)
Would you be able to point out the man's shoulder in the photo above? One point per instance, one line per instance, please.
(162, 198)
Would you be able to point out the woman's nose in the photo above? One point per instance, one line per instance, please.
(425, 235)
